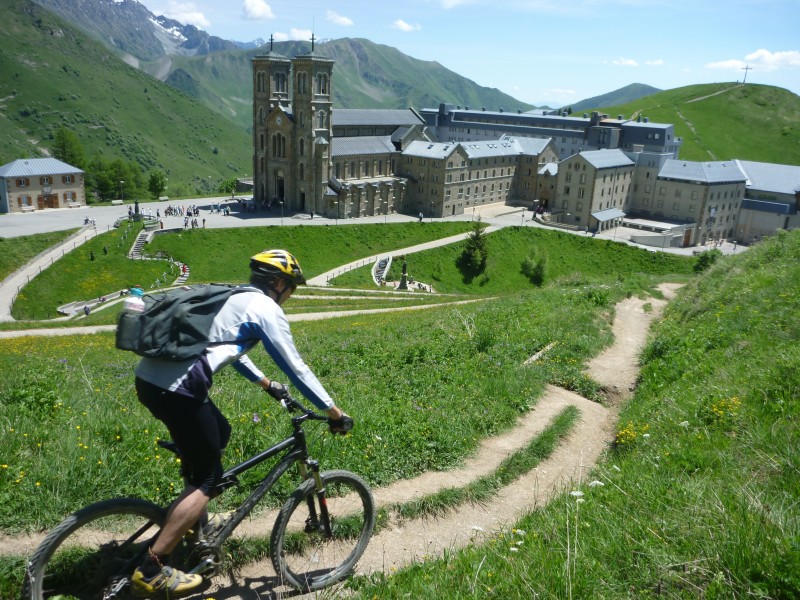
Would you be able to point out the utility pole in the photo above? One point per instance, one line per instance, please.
(746, 68)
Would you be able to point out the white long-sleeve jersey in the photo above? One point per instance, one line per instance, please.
(244, 320)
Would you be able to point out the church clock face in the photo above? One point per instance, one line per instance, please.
(279, 121)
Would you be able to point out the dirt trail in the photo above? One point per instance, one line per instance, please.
(402, 543)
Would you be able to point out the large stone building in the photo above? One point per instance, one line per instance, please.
(32, 184)
(354, 163)
(591, 172)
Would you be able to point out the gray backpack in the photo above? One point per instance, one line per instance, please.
(175, 323)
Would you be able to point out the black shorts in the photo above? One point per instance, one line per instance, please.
(197, 427)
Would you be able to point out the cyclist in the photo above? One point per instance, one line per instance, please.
(176, 393)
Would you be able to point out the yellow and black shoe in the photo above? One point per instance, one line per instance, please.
(167, 580)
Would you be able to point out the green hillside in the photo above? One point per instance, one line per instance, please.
(625, 95)
(722, 121)
(366, 75)
(54, 76)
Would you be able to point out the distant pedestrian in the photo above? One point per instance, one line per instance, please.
(86, 310)
(312, 214)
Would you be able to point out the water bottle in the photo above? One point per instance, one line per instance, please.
(134, 302)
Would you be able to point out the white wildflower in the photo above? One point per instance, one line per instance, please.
(477, 528)
(596, 483)
(684, 424)
(576, 494)
(512, 549)
(645, 435)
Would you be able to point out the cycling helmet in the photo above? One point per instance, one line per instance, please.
(277, 263)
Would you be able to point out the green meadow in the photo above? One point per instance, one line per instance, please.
(697, 496)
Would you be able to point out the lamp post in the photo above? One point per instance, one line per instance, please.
(121, 194)
(336, 203)
(431, 213)
(281, 203)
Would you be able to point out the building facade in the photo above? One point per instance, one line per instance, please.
(591, 172)
(32, 184)
(594, 189)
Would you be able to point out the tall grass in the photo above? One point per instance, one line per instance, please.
(698, 497)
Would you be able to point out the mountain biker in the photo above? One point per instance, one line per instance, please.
(176, 393)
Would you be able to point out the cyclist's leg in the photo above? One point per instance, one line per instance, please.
(200, 431)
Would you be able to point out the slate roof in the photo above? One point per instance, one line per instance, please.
(342, 117)
(769, 177)
(505, 146)
(608, 214)
(607, 159)
(702, 172)
(35, 167)
(368, 144)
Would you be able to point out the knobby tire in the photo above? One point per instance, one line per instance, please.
(93, 549)
(302, 554)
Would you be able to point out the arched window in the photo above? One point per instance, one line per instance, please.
(262, 141)
(280, 82)
(302, 171)
(302, 82)
(261, 115)
(321, 119)
(302, 147)
(302, 119)
(274, 145)
(261, 82)
(322, 83)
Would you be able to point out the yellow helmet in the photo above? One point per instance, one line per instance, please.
(277, 263)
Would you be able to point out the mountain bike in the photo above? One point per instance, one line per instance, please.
(319, 534)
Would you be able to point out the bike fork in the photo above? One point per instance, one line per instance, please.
(323, 518)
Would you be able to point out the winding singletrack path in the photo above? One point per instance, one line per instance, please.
(409, 541)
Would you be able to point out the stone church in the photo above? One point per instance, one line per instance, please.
(350, 163)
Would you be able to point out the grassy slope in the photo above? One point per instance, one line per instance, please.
(752, 122)
(18, 251)
(59, 76)
(699, 496)
(568, 256)
(219, 255)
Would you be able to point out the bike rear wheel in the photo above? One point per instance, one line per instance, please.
(303, 555)
(93, 552)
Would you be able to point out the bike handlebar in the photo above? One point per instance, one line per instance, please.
(342, 426)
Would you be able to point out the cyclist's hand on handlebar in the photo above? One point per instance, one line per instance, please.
(277, 390)
(342, 425)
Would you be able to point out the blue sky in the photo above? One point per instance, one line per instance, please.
(540, 51)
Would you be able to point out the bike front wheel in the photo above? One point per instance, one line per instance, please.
(93, 552)
(305, 553)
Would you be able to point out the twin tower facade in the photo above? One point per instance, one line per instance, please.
(292, 131)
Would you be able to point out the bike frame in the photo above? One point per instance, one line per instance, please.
(296, 451)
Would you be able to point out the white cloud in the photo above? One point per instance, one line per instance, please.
(761, 59)
(625, 62)
(257, 10)
(280, 36)
(338, 19)
(188, 14)
(300, 34)
(775, 60)
(654, 63)
(403, 26)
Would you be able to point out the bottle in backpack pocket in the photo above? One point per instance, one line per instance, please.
(134, 302)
